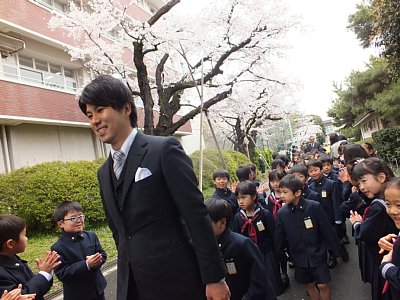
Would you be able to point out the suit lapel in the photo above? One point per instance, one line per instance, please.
(135, 157)
(108, 190)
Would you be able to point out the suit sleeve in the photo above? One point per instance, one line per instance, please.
(109, 219)
(182, 185)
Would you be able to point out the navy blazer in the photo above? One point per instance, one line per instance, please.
(307, 245)
(330, 197)
(391, 272)
(150, 219)
(227, 195)
(246, 270)
(78, 281)
(14, 271)
(310, 194)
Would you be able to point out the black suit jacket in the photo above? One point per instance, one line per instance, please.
(316, 146)
(150, 222)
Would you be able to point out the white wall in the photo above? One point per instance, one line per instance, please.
(191, 143)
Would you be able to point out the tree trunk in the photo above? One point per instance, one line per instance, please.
(144, 86)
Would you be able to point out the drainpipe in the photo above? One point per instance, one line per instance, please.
(5, 149)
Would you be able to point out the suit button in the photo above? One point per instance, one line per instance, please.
(129, 237)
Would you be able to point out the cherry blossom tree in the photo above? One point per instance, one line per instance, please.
(163, 58)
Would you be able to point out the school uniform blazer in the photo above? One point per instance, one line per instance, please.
(78, 281)
(307, 245)
(246, 271)
(151, 219)
(14, 271)
(391, 271)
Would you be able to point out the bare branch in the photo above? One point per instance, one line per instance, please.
(162, 11)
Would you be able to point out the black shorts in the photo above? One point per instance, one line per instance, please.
(319, 274)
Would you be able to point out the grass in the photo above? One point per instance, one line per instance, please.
(39, 243)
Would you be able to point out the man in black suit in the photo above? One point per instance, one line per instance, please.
(165, 241)
(313, 145)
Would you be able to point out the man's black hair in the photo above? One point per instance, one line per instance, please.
(107, 91)
(219, 209)
(291, 182)
(221, 173)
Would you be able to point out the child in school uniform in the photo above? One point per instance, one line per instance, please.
(371, 176)
(221, 179)
(274, 202)
(246, 274)
(390, 265)
(330, 200)
(15, 271)
(300, 170)
(81, 255)
(257, 223)
(303, 224)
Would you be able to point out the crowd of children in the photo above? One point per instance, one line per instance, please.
(297, 219)
(300, 221)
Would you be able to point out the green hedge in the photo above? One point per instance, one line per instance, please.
(34, 192)
(387, 143)
(211, 162)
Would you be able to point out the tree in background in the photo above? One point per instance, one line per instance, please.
(228, 42)
(377, 23)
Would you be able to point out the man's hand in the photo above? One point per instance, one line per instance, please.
(217, 291)
(385, 243)
(50, 261)
(94, 260)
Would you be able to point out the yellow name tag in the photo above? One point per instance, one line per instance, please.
(260, 226)
(308, 223)
(230, 267)
(323, 194)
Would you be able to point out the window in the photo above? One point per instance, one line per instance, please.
(39, 72)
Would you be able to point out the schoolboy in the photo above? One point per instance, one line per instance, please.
(306, 228)
(15, 271)
(81, 255)
(330, 199)
(246, 278)
(332, 174)
(300, 170)
(221, 179)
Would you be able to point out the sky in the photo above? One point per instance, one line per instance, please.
(322, 53)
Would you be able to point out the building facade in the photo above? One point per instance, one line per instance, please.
(40, 120)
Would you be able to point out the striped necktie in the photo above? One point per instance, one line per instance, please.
(119, 159)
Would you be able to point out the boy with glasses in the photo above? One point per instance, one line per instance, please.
(81, 255)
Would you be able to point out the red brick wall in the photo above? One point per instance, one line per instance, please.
(33, 102)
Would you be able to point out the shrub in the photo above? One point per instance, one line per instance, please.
(34, 192)
(211, 162)
(266, 154)
(387, 143)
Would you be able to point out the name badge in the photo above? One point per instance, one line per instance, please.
(260, 226)
(308, 223)
(323, 194)
(230, 267)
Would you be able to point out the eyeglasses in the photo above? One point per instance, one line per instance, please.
(75, 219)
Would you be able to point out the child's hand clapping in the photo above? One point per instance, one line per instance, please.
(94, 260)
(50, 261)
(385, 243)
(15, 294)
(355, 217)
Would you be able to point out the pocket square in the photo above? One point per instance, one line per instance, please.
(142, 173)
